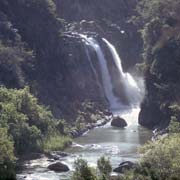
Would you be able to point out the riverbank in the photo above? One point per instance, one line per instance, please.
(57, 154)
(116, 143)
(79, 132)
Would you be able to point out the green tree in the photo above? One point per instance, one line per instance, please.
(160, 160)
(174, 126)
(7, 158)
(82, 171)
(104, 167)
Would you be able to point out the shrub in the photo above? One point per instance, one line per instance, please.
(7, 158)
(174, 126)
(29, 123)
(83, 171)
(161, 160)
(56, 143)
(104, 166)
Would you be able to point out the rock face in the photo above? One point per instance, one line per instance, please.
(107, 19)
(118, 122)
(152, 117)
(162, 86)
(124, 166)
(58, 167)
(61, 76)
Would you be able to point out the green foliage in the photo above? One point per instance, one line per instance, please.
(31, 126)
(14, 63)
(159, 20)
(33, 19)
(104, 167)
(56, 143)
(174, 126)
(83, 171)
(175, 108)
(80, 122)
(7, 158)
(160, 161)
(163, 9)
(28, 122)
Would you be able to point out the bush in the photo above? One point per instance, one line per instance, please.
(104, 167)
(56, 143)
(29, 123)
(83, 171)
(174, 126)
(161, 160)
(31, 126)
(7, 158)
(14, 64)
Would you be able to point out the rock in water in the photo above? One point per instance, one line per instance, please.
(124, 166)
(118, 122)
(58, 167)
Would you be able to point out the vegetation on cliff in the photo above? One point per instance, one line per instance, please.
(36, 70)
(26, 127)
(159, 23)
(160, 31)
(161, 106)
(33, 61)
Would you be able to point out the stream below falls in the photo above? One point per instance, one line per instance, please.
(117, 144)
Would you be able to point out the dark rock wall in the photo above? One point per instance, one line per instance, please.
(110, 19)
(162, 86)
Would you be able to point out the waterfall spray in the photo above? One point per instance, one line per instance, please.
(130, 86)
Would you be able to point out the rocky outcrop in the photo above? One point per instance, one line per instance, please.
(118, 122)
(56, 155)
(127, 165)
(72, 83)
(162, 86)
(108, 19)
(61, 76)
(58, 167)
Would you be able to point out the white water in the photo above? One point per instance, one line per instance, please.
(117, 144)
(107, 83)
(129, 85)
(93, 68)
(131, 88)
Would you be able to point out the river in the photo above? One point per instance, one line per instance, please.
(117, 144)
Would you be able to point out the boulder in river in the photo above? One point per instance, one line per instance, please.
(56, 155)
(58, 167)
(118, 122)
(124, 166)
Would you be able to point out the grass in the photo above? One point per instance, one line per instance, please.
(56, 143)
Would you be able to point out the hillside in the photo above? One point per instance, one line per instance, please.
(52, 85)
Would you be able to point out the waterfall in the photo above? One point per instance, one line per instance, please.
(131, 88)
(93, 68)
(128, 83)
(106, 78)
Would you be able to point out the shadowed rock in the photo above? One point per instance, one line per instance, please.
(124, 166)
(58, 167)
(118, 122)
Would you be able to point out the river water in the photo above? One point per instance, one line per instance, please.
(117, 144)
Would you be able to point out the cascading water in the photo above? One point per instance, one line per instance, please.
(93, 68)
(118, 144)
(107, 83)
(129, 85)
(131, 88)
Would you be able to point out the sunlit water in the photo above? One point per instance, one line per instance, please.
(117, 144)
